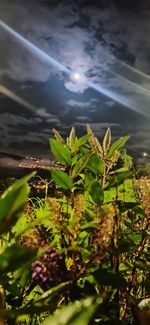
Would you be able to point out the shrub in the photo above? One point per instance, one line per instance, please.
(87, 248)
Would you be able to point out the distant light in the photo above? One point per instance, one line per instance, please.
(145, 154)
(76, 76)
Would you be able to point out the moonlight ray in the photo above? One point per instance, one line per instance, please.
(130, 83)
(137, 72)
(124, 101)
(129, 96)
(33, 48)
(5, 91)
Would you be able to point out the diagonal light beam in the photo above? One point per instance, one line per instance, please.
(133, 69)
(117, 98)
(5, 91)
(131, 83)
(34, 49)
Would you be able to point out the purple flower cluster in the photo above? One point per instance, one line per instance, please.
(49, 270)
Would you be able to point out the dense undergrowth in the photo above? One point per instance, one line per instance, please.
(81, 256)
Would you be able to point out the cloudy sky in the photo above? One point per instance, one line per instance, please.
(65, 63)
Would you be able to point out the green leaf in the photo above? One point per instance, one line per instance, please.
(14, 257)
(58, 137)
(109, 278)
(61, 179)
(46, 296)
(117, 145)
(88, 225)
(25, 275)
(119, 179)
(89, 179)
(96, 192)
(106, 141)
(60, 152)
(85, 151)
(76, 158)
(95, 165)
(129, 242)
(144, 305)
(12, 201)
(80, 165)
(78, 143)
(142, 265)
(77, 313)
(12, 188)
(126, 159)
(120, 170)
(135, 237)
(71, 138)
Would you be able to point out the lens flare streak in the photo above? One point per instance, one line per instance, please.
(124, 101)
(135, 71)
(34, 49)
(5, 91)
(132, 84)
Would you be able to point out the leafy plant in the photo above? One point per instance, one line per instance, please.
(83, 254)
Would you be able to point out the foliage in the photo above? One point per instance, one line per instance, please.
(81, 256)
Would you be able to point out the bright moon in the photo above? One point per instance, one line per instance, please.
(78, 77)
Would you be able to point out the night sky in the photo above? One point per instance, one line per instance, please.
(105, 44)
